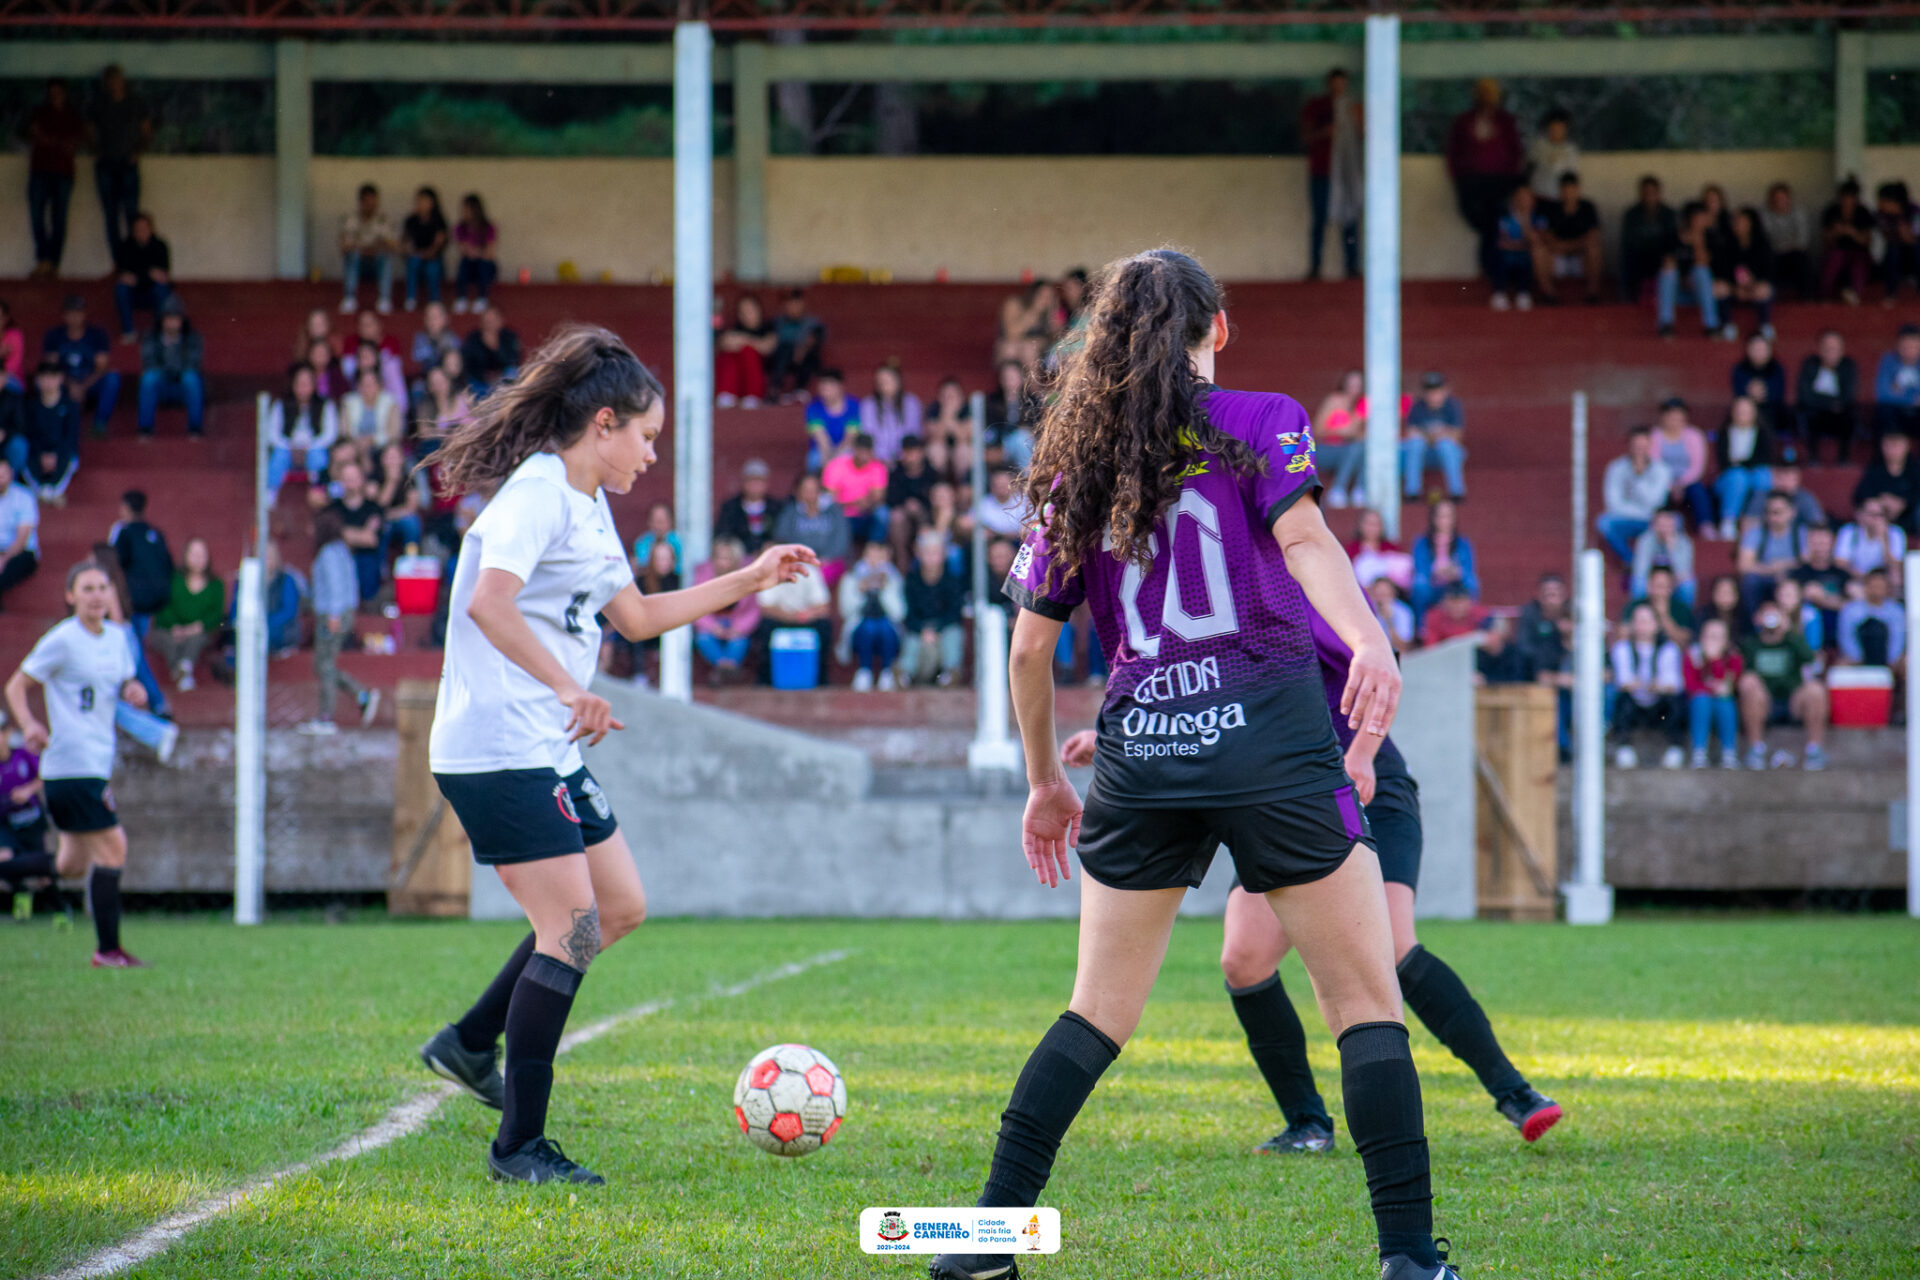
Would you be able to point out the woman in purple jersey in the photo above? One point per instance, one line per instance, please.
(1255, 944)
(1187, 517)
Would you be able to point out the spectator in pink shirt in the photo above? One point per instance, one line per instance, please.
(13, 352)
(858, 482)
(1682, 447)
(474, 237)
(890, 414)
(725, 638)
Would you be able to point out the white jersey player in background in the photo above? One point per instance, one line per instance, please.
(541, 563)
(84, 666)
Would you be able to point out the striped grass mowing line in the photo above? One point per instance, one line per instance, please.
(405, 1119)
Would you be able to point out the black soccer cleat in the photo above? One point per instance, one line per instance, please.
(539, 1161)
(1529, 1111)
(973, 1266)
(1401, 1267)
(477, 1073)
(1303, 1137)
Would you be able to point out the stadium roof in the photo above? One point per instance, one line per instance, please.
(761, 16)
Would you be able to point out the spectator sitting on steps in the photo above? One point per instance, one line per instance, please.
(1893, 480)
(1498, 660)
(933, 643)
(336, 598)
(1675, 615)
(1771, 551)
(1635, 486)
(46, 453)
(142, 274)
(83, 351)
(1781, 685)
(748, 516)
(725, 638)
(170, 369)
(815, 520)
(872, 607)
(19, 531)
(1873, 629)
(1664, 545)
(1647, 684)
(1713, 681)
(194, 608)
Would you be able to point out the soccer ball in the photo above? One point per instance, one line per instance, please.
(790, 1100)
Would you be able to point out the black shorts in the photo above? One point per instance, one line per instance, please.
(81, 805)
(1274, 844)
(1395, 818)
(525, 815)
(27, 837)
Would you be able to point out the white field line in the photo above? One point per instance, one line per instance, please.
(407, 1118)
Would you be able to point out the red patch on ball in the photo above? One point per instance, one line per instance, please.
(832, 1129)
(786, 1126)
(741, 1116)
(765, 1074)
(820, 1080)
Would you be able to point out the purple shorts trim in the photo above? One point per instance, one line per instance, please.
(1349, 805)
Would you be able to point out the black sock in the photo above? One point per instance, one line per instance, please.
(1448, 1009)
(542, 998)
(1279, 1046)
(480, 1028)
(26, 866)
(1052, 1088)
(103, 900)
(1382, 1094)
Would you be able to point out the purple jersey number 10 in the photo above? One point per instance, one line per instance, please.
(1217, 616)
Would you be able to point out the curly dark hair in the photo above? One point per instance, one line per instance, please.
(577, 372)
(1127, 414)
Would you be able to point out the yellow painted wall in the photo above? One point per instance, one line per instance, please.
(215, 213)
(611, 215)
(980, 218)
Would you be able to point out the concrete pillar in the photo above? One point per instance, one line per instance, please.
(1850, 106)
(750, 148)
(1382, 249)
(692, 332)
(292, 155)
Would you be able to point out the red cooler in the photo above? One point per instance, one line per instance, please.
(416, 583)
(1862, 696)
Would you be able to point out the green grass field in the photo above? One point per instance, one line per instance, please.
(1743, 1098)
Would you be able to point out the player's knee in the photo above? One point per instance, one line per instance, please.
(1245, 966)
(618, 919)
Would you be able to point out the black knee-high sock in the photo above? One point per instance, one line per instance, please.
(1278, 1044)
(103, 900)
(481, 1026)
(1382, 1094)
(537, 1015)
(26, 866)
(1434, 992)
(1049, 1094)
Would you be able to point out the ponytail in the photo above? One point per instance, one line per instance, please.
(579, 371)
(1126, 416)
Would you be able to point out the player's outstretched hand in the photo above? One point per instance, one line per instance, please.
(590, 716)
(1373, 689)
(1360, 769)
(1050, 829)
(1077, 751)
(787, 562)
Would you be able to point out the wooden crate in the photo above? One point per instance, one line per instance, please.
(1517, 741)
(432, 869)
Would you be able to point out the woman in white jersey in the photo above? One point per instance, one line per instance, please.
(85, 667)
(538, 567)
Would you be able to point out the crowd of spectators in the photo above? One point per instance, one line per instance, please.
(1536, 231)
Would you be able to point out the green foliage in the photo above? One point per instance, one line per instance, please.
(438, 123)
(1743, 1098)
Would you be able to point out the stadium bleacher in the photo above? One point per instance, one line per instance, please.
(1514, 373)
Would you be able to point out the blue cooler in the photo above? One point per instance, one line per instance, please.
(796, 657)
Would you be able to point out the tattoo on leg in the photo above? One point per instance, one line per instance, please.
(582, 941)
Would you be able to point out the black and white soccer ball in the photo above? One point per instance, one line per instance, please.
(790, 1100)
